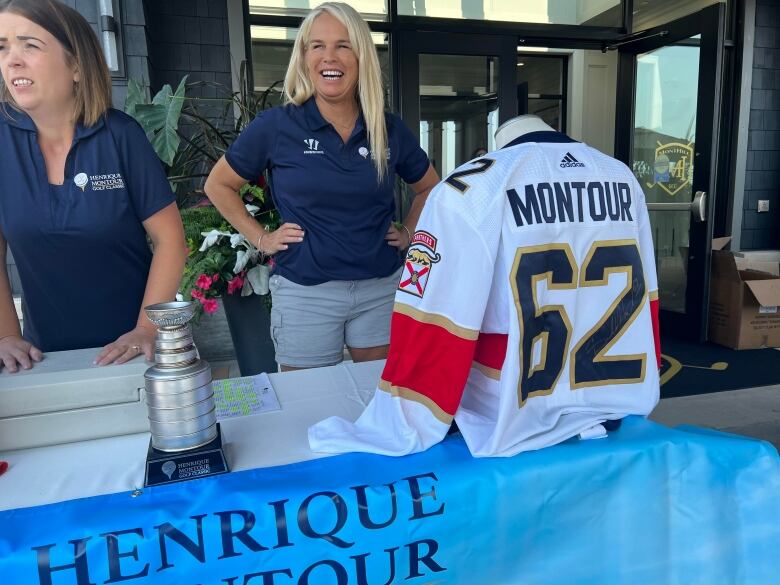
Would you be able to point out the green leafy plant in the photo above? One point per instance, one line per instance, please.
(160, 118)
(189, 142)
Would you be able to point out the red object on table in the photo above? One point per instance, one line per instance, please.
(3, 467)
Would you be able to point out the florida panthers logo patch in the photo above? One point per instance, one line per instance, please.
(418, 264)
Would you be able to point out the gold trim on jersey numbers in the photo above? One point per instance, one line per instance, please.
(578, 278)
(539, 311)
(541, 338)
(414, 396)
(600, 356)
(436, 319)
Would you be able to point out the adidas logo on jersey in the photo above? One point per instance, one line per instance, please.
(570, 161)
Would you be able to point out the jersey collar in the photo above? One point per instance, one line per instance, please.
(540, 136)
(21, 120)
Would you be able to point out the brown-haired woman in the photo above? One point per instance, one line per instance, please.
(80, 190)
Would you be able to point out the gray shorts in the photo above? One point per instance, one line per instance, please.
(311, 324)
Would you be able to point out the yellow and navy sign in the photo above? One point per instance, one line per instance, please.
(673, 167)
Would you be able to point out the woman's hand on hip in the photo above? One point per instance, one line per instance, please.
(280, 239)
(397, 238)
(133, 343)
(16, 352)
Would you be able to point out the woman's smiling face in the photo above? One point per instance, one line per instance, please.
(330, 60)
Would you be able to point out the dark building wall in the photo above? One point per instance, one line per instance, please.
(133, 37)
(189, 37)
(762, 177)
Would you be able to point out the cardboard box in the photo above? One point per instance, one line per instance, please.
(744, 299)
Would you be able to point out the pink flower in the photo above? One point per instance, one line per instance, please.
(196, 294)
(215, 278)
(204, 281)
(271, 263)
(235, 284)
(210, 306)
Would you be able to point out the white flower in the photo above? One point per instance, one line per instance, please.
(251, 209)
(211, 238)
(257, 276)
(236, 239)
(244, 257)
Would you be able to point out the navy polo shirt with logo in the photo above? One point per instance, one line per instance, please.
(80, 247)
(330, 189)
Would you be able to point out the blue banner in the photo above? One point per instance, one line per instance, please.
(648, 504)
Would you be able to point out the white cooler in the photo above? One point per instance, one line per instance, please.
(65, 398)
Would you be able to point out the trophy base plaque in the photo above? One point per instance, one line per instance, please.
(171, 467)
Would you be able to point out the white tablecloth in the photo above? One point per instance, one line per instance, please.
(76, 470)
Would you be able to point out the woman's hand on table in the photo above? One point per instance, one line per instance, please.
(270, 243)
(133, 343)
(16, 352)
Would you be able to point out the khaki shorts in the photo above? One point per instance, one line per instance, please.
(311, 324)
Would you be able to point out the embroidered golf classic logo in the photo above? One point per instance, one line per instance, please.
(99, 182)
(313, 146)
(419, 262)
(106, 182)
(81, 180)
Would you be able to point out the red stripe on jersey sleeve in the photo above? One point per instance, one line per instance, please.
(428, 359)
(491, 350)
(654, 306)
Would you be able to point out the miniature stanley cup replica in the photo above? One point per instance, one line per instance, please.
(186, 440)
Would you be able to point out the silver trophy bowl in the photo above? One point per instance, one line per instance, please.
(171, 314)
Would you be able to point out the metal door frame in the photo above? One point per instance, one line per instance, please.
(709, 23)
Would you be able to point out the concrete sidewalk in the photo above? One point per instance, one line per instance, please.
(754, 412)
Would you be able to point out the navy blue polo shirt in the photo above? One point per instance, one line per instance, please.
(80, 247)
(330, 189)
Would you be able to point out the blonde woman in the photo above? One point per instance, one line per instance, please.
(332, 153)
(80, 190)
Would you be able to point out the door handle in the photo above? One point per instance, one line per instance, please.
(697, 207)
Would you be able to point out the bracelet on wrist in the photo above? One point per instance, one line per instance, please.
(408, 235)
(262, 252)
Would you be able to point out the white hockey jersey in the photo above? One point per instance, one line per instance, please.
(527, 308)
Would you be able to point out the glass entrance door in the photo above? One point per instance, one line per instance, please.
(458, 107)
(667, 132)
(662, 158)
(455, 91)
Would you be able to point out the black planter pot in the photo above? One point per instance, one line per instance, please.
(250, 328)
